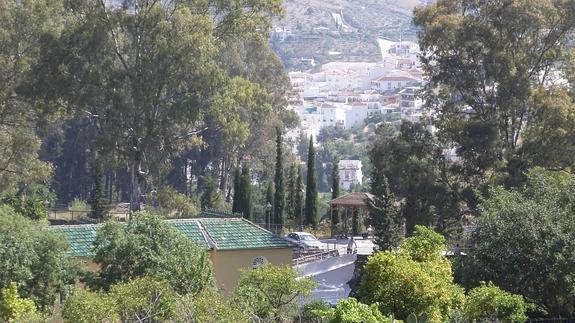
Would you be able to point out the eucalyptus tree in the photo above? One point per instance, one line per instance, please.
(24, 26)
(147, 73)
(485, 60)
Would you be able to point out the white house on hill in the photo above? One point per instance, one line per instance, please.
(350, 173)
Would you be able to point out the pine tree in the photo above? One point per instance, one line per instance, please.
(279, 197)
(237, 191)
(269, 211)
(245, 187)
(290, 200)
(383, 215)
(98, 195)
(298, 204)
(311, 188)
(335, 191)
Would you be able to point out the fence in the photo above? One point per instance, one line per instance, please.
(81, 216)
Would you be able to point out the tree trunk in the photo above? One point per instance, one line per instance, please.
(136, 179)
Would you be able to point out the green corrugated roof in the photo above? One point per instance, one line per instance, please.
(80, 238)
(190, 228)
(218, 233)
(237, 233)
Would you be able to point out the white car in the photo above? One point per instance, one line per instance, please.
(305, 241)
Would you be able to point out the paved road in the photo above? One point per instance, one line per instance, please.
(364, 247)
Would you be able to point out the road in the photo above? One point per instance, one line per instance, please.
(364, 247)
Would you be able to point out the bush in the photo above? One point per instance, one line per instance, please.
(349, 310)
(31, 207)
(208, 306)
(78, 208)
(488, 303)
(271, 292)
(16, 309)
(176, 204)
(415, 280)
(311, 312)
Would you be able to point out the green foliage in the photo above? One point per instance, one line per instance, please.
(13, 308)
(24, 27)
(244, 194)
(414, 166)
(349, 310)
(32, 258)
(85, 306)
(424, 245)
(335, 190)
(299, 202)
(147, 246)
(279, 197)
(98, 195)
(175, 204)
(208, 306)
(291, 192)
(211, 197)
(312, 311)
(79, 208)
(383, 215)
(311, 194)
(526, 235)
(29, 206)
(489, 303)
(485, 60)
(143, 299)
(415, 279)
(151, 98)
(271, 292)
(237, 190)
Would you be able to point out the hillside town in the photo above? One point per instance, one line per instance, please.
(345, 94)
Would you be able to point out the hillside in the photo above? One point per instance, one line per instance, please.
(328, 30)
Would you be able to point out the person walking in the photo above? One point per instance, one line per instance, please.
(351, 246)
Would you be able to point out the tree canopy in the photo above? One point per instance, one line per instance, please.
(148, 246)
(524, 241)
(32, 258)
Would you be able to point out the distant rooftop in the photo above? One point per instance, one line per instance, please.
(358, 199)
(210, 233)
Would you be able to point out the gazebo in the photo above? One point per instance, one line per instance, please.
(356, 202)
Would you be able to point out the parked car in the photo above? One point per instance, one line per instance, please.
(305, 241)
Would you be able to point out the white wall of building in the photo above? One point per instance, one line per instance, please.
(350, 173)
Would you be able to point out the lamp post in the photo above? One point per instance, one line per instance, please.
(268, 215)
(301, 215)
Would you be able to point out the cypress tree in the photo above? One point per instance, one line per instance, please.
(335, 191)
(269, 201)
(298, 204)
(279, 197)
(290, 200)
(209, 196)
(311, 188)
(355, 222)
(245, 186)
(383, 215)
(237, 191)
(98, 195)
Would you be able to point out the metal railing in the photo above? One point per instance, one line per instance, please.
(314, 257)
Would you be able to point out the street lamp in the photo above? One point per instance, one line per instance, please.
(302, 204)
(268, 214)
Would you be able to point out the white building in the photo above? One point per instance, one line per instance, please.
(409, 98)
(350, 173)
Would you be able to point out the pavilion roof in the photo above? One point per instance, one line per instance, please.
(357, 199)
